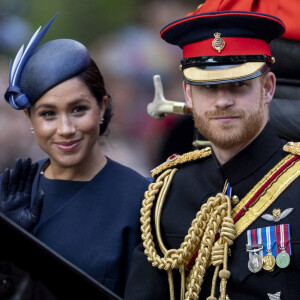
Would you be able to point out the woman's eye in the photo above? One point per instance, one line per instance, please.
(79, 109)
(47, 114)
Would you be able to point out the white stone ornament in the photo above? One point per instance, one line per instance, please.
(274, 296)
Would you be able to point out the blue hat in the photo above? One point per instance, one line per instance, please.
(224, 46)
(34, 72)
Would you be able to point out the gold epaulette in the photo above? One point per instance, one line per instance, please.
(292, 147)
(176, 159)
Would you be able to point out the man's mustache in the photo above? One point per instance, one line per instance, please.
(237, 113)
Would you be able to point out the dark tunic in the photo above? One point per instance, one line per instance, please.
(192, 185)
(94, 224)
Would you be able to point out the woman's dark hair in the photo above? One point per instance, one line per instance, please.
(93, 79)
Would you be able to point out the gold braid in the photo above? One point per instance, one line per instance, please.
(201, 235)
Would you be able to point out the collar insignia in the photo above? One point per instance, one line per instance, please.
(274, 296)
(292, 147)
(176, 160)
(218, 43)
(277, 214)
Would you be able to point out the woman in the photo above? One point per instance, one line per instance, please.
(77, 201)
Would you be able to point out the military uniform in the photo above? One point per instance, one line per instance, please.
(222, 231)
(192, 185)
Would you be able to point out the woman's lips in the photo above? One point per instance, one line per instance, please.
(68, 146)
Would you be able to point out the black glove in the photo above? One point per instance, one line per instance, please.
(15, 194)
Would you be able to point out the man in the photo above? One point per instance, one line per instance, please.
(222, 222)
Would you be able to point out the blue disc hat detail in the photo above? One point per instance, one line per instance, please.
(224, 46)
(35, 71)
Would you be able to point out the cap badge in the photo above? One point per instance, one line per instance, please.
(218, 43)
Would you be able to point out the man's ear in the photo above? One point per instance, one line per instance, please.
(187, 88)
(269, 84)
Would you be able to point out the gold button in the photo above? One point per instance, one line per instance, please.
(235, 200)
(273, 60)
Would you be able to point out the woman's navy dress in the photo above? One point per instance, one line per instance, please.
(94, 224)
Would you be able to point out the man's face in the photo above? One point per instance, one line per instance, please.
(229, 115)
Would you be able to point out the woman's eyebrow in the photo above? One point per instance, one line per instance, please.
(52, 106)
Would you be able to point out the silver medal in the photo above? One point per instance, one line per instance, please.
(255, 263)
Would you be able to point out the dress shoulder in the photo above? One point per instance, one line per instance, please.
(177, 160)
(292, 147)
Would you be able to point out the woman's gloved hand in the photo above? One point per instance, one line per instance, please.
(15, 196)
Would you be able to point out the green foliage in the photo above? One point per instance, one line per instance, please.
(84, 20)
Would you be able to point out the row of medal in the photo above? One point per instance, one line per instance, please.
(268, 247)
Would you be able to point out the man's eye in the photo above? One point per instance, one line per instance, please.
(239, 83)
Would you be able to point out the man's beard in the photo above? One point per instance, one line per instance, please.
(228, 135)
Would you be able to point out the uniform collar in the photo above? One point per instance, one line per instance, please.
(253, 157)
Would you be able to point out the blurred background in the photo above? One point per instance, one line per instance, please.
(123, 38)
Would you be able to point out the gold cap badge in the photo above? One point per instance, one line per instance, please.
(218, 43)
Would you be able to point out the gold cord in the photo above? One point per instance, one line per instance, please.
(158, 208)
(182, 289)
(171, 285)
(214, 214)
(201, 235)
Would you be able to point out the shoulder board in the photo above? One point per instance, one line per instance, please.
(175, 160)
(292, 147)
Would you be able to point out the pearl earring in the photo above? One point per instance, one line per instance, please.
(32, 130)
(102, 120)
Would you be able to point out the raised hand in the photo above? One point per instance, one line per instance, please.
(15, 196)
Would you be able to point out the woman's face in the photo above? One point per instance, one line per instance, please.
(66, 124)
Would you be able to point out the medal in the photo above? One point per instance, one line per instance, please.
(255, 248)
(283, 259)
(255, 263)
(283, 236)
(269, 262)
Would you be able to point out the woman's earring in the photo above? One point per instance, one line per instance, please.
(102, 120)
(32, 130)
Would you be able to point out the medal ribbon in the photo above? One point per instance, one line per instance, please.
(227, 189)
(283, 238)
(268, 236)
(254, 237)
(249, 240)
(259, 240)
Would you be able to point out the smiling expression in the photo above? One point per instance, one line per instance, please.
(230, 115)
(66, 124)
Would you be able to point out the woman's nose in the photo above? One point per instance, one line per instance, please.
(65, 126)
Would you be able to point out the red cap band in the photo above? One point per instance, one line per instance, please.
(233, 46)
